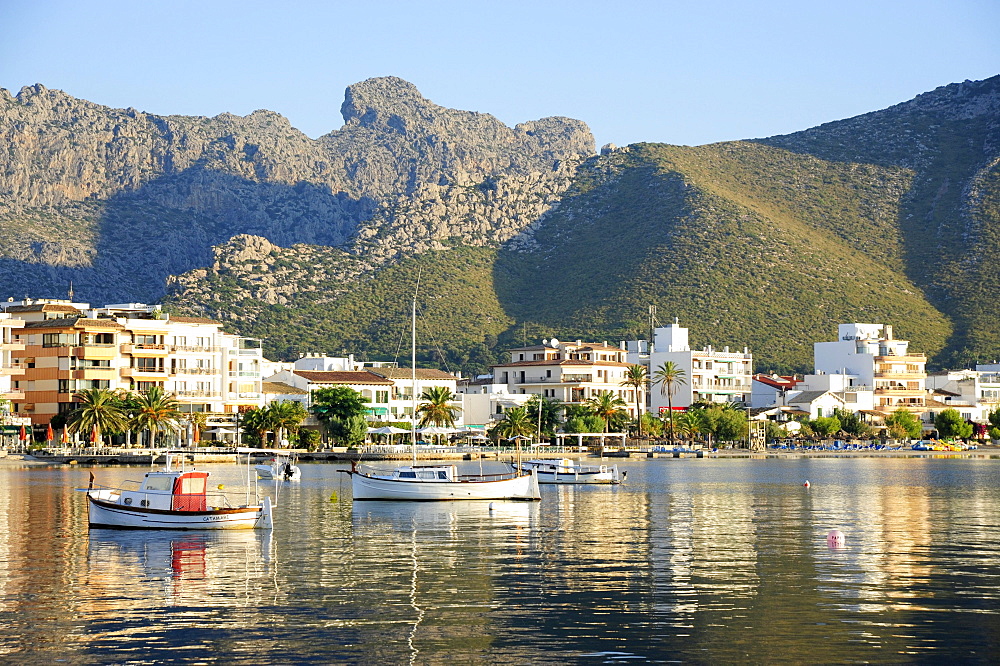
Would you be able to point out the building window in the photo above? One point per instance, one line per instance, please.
(382, 396)
(59, 339)
(148, 364)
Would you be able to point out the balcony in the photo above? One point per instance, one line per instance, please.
(12, 395)
(905, 358)
(195, 371)
(205, 349)
(95, 373)
(900, 391)
(198, 394)
(96, 352)
(13, 369)
(145, 373)
(12, 346)
(900, 375)
(145, 349)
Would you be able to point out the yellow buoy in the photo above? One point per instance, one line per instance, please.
(333, 497)
(221, 486)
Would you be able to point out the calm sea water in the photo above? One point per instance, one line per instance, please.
(697, 561)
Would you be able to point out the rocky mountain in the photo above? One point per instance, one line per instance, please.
(514, 234)
(118, 200)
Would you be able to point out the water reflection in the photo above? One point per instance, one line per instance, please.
(703, 561)
(181, 567)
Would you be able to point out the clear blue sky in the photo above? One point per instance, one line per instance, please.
(682, 72)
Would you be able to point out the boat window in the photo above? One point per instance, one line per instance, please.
(193, 485)
(443, 475)
(165, 483)
(407, 475)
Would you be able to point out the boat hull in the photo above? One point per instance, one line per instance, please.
(558, 474)
(551, 478)
(369, 487)
(105, 513)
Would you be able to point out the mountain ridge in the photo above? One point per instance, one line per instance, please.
(890, 216)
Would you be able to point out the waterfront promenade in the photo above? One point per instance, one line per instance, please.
(223, 455)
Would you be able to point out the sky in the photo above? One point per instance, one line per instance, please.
(682, 72)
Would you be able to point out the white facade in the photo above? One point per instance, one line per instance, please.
(856, 395)
(870, 360)
(569, 372)
(484, 400)
(710, 375)
(974, 393)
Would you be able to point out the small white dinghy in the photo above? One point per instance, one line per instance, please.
(568, 471)
(172, 499)
(281, 467)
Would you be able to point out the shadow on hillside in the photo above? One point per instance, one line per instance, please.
(169, 225)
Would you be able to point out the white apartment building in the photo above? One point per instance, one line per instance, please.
(866, 360)
(568, 372)
(710, 375)
(484, 400)
(974, 393)
(68, 347)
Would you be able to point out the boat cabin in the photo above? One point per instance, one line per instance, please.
(426, 473)
(169, 491)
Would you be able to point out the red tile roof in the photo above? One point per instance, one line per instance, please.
(342, 377)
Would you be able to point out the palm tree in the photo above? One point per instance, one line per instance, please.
(548, 419)
(635, 376)
(669, 376)
(437, 410)
(99, 409)
(157, 411)
(516, 422)
(285, 416)
(608, 406)
(256, 424)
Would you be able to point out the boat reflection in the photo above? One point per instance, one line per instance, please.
(182, 566)
(437, 514)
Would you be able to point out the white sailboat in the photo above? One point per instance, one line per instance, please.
(438, 482)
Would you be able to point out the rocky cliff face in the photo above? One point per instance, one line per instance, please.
(117, 200)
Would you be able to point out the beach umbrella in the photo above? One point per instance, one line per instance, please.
(195, 434)
(387, 430)
(437, 430)
(65, 436)
(93, 435)
(23, 435)
(48, 434)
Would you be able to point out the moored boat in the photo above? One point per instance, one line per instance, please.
(568, 471)
(281, 467)
(441, 482)
(172, 499)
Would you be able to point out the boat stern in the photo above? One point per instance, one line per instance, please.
(265, 521)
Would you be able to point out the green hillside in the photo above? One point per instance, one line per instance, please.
(458, 315)
(747, 245)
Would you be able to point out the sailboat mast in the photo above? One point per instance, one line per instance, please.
(413, 375)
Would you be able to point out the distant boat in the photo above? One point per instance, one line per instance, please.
(438, 482)
(174, 500)
(568, 471)
(441, 482)
(281, 467)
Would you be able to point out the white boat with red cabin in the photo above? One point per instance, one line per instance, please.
(173, 499)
